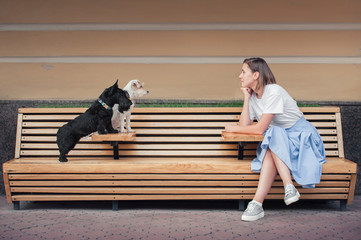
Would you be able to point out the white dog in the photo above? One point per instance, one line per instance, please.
(135, 90)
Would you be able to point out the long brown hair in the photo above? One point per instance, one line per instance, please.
(266, 76)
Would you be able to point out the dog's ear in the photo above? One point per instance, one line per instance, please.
(136, 84)
(114, 88)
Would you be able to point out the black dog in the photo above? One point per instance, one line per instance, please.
(96, 118)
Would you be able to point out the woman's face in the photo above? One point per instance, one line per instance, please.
(248, 78)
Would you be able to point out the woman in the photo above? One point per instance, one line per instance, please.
(291, 144)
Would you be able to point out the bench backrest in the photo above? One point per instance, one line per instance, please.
(160, 132)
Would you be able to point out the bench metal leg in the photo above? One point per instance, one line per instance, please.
(241, 146)
(115, 145)
(115, 205)
(16, 205)
(343, 205)
(241, 205)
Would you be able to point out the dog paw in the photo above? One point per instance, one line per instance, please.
(63, 160)
(130, 130)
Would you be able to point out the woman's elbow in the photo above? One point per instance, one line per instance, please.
(260, 131)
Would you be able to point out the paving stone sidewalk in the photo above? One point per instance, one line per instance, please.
(160, 220)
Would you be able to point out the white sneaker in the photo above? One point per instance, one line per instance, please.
(291, 194)
(253, 212)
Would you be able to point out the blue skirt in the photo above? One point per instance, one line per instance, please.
(300, 147)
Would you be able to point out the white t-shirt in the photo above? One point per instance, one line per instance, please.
(277, 101)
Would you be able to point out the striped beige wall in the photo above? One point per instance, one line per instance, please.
(181, 49)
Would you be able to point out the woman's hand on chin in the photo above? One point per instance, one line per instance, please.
(247, 92)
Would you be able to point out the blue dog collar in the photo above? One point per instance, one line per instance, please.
(104, 104)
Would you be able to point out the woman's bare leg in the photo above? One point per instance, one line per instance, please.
(282, 170)
(267, 177)
(271, 165)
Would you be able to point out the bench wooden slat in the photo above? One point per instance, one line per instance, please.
(73, 197)
(55, 146)
(160, 117)
(139, 146)
(327, 131)
(157, 176)
(145, 153)
(128, 190)
(161, 152)
(339, 135)
(72, 153)
(320, 117)
(163, 131)
(164, 183)
(208, 183)
(185, 117)
(186, 110)
(152, 146)
(142, 131)
(168, 109)
(137, 176)
(138, 139)
(154, 165)
(154, 139)
(175, 117)
(324, 124)
(131, 153)
(31, 124)
(49, 117)
(179, 131)
(175, 124)
(51, 110)
(166, 190)
(18, 136)
(332, 153)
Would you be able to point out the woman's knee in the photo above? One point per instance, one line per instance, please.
(268, 164)
(268, 156)
(268, 159)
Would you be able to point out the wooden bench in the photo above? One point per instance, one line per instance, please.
(178, 154)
